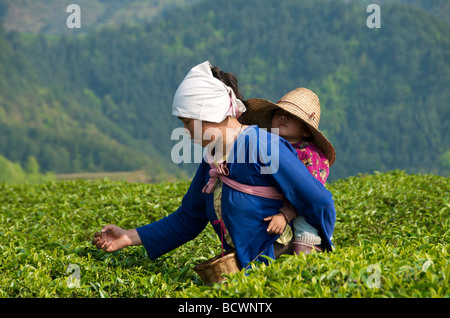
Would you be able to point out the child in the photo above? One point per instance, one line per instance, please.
(296, 116)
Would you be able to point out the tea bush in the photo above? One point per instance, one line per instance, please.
(391, 240)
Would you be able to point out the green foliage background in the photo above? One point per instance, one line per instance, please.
(101, 100)
(392, 226)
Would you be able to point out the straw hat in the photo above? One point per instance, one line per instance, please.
(302, 103)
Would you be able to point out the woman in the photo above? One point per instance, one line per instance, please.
(245, 154)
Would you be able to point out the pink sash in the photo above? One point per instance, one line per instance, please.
(222, 172)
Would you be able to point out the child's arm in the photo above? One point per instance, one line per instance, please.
(277, 223)
(288, 211)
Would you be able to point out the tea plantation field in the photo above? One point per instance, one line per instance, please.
(392, 240)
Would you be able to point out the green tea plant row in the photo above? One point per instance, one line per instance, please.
(391, 240)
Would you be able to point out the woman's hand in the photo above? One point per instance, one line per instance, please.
(277, 224)
(112, 238)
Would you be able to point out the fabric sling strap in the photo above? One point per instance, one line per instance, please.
(221, 172)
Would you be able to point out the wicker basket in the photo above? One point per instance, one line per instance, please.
(211, 271)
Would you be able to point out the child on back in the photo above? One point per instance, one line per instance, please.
(296, 116)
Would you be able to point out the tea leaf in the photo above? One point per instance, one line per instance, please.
(392, 228)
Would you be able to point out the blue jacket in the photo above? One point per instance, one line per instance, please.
(243, 214)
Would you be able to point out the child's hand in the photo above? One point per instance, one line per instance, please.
(277, 224)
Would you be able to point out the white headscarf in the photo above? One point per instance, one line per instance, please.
(202, 96)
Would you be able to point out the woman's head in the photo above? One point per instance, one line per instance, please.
(208, 97)
(208, 101)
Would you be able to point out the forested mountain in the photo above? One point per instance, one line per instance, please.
(440, 8)
(102, 101)
(49, 16)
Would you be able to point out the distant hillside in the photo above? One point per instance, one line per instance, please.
(62, 127)
(439, 8)
(49, 16)
(103, 101)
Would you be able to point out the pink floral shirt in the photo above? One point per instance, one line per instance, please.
(314, 160)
